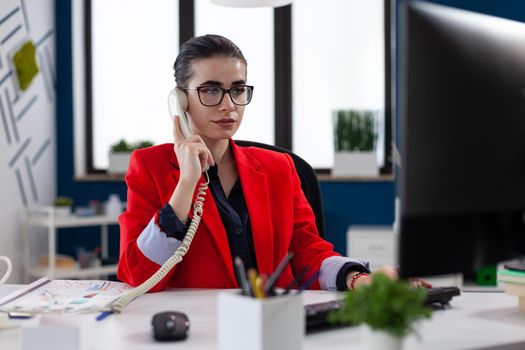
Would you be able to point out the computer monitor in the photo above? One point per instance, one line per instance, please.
(462, 140)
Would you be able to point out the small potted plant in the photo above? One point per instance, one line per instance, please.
(142, 144)
(120, 153)
(62, 206)
(355, 137)
(388, 308)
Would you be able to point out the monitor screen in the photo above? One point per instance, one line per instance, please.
(462, 140)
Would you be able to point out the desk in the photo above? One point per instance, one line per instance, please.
(476, 320)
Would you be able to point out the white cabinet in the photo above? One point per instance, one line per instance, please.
(41, 216)
(376, 244)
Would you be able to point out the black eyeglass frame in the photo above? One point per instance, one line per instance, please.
(224, 92)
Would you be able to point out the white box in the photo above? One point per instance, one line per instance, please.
(119, 162)
(275, 323)
(51, 338)
(355, 164)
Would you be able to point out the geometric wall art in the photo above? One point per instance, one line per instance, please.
(27, 115)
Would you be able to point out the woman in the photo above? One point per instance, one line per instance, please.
(254, 207)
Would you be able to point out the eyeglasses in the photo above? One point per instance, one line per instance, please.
(211, 96)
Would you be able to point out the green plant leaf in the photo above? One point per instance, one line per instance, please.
(63, 201)
(142, 144)
(355, 130)
(388, 305)
(123, 146)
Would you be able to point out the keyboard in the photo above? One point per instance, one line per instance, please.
(317, 314)
(440, 296)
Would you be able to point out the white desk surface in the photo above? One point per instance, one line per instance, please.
(475, 321)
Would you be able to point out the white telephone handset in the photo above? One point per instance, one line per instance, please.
(177, 106)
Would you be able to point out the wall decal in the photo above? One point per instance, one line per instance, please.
(26, 108)
(25, 64)
(40, 151)
(27, 120)
(19, 152)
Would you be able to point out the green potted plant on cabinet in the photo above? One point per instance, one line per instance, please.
(120, 153)
(389, 309)
(63, 206)
(355, 137)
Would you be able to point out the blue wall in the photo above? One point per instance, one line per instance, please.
(345, 202)
(82, 192)
(350, 203)
(511, 9)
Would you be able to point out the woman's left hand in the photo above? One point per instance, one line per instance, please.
(419, 282)
(391, 273)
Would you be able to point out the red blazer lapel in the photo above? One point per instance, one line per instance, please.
(211, 219)
(255, 189)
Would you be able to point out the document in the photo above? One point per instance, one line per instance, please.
(63, 296)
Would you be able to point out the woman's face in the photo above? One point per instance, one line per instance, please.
(221, 121)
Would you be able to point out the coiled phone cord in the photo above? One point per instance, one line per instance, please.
(127, 298)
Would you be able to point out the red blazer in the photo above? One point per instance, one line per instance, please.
(281, 219)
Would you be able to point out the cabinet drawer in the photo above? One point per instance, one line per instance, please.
(374, 244)
(372, 247)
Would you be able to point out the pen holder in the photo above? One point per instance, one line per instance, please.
(275, 323)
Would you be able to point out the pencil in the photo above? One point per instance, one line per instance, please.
(241, 272)
(268, 286)
(295, 281)
(309, 281)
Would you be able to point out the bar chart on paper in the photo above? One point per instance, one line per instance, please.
(63, 296)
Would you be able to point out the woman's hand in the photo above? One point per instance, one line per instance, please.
(388, 271)
(192, 154)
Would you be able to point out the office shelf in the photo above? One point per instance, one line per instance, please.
(43, 216)
(75, 272)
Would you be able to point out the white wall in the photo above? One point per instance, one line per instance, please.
(27, 122)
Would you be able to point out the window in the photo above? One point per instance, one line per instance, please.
(339, 64)
(134, 45)
(336, 65)
(252, 30)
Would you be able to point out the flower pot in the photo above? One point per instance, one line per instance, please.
(379, 340)
(62, 212)
(119, 162)
(355, 164)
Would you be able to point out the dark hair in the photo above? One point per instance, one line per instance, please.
(206, 46)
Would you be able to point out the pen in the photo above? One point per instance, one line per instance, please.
(241, 272)
(295, 281)
(103, 315)
(268, 286)
(309, 281)
(255, 283)
(20, 314)
(259, 287)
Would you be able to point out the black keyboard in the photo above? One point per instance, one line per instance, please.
(440, 296)
(317, 314)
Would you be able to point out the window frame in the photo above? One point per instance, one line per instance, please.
(283, 79)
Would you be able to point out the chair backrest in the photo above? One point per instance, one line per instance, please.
(309, 181)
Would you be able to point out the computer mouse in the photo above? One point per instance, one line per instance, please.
(170, 325)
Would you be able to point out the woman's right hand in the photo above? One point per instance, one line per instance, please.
(192, 154)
